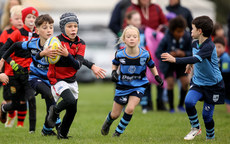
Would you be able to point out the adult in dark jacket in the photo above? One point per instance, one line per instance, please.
(118, 16)
(177, 42)
(175, 7)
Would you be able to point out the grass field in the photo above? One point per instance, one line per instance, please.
(95, 101)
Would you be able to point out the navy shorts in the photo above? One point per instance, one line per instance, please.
(212, 94)
(123, 100)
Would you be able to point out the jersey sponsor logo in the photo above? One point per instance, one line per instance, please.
(34, 52)
(142, 61)
(132, 69)
(215, 97)
(122, 61)
(130, 78)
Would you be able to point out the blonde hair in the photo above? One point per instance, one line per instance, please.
(5, 19)
(122, 38)
(16, 10)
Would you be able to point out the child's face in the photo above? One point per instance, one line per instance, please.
(219, 49)
(16, 20)
(219, 32)
(29, 21)
(195, 33)
(178, 33)
(135, 20)
(131, 38)
(71, 30)
(45, 30)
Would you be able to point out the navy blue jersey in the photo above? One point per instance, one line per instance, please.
(132, 75)
(206, 71)
(38, 68)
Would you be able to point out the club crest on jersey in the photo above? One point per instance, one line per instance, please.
(215, 97)
(132, 69)
(142, 61)
(122, 61)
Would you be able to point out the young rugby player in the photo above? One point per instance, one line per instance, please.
(131, 82)
(21, 91)
(207, 83)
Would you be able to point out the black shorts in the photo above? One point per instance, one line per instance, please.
(123, 100)
(20, 88)
(6, 93)
(212, 94)
(179, 69)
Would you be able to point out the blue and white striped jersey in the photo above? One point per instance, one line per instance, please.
(132, 75)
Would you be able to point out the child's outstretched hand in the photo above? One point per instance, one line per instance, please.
(159, 80)
(63, 51)
(168, 58)
(98, 72)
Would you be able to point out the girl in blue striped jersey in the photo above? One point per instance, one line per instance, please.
(131, 80)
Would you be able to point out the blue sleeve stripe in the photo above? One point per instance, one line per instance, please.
(197, 56)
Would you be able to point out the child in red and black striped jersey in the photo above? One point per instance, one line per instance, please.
(62, 75)
(16, 21)
(20, 61)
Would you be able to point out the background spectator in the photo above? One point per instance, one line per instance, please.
(5, 18)
(175, 7)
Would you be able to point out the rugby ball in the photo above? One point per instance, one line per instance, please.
(55, 43)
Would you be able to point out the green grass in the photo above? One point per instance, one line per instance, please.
(95, 101)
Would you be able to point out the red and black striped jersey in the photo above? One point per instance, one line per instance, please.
(21, 57)
(3, 38)
(63, 69)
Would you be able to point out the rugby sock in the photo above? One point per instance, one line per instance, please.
(192, 115)
(22, 110)
(11, 114)
(210, 133)
(170, 99)
(46, 129)
(109, 119)
(123, 123)
(32, 113)
(182, 96)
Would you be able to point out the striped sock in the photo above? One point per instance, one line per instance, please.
(109, 119)
(22, 114)
(46, 130)
(194, 121)
(210, 132)
(192, 115)
(123, 123)
(12, 113)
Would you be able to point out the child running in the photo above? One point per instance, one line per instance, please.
(207, 83)
(131, 82)
(21, 90)
(39, 67)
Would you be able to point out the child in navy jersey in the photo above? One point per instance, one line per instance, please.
(207, 83)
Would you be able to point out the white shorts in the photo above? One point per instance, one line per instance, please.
(60, 86)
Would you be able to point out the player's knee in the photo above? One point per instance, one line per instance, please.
(189, 103)
(129, 110)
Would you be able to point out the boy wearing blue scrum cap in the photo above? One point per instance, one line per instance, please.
(62, 75)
